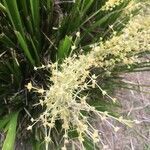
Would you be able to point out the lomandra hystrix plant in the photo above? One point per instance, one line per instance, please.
(71, 39)
(65, 99)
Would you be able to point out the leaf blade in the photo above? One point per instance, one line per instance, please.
(11, 133)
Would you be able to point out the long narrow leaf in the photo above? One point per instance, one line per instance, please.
(35, 11)
(13, 13)
(6, 40)
(2, 7)
(24, 46)
(11, 133)
(85, 6)
(64, 47)
(3, 122)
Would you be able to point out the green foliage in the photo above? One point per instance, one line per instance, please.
(11, 132)
(64, 47)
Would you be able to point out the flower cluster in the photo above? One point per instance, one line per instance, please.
(64, 98)
(110, 4)
(65, 101)
(124, 48)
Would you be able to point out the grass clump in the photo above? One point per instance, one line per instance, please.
(56, 45)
